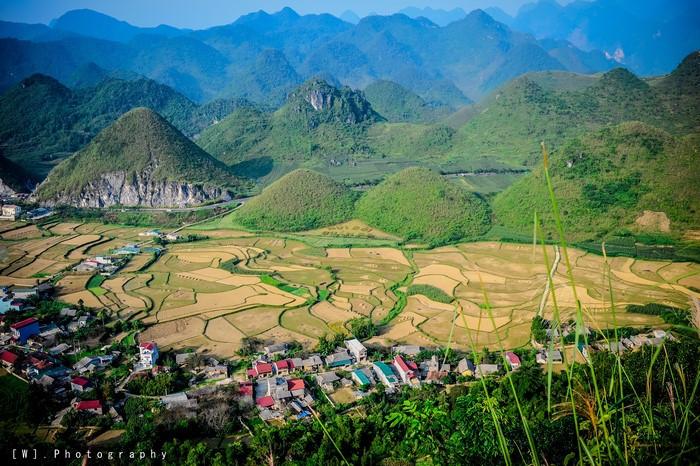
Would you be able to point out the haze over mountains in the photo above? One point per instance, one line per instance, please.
(164, 116)
(263, 56)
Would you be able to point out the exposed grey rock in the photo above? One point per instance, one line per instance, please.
(138, 190)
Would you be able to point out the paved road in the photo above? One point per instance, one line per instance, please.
(186, 209)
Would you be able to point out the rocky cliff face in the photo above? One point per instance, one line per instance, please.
(138, 190)
(5, 190)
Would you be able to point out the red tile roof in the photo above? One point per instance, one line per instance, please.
(263, 368)
(88, 404)
(8, 357)
(149, 345)
(251, 373)
(512, 357)
(265, 402)
(401, 363)
(23, 323)
(295, 384)
(284, 364)
(82, 381)
(245, 389)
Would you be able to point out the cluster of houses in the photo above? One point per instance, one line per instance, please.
(19, 298)
(107, 265)
(279, 387)
(158, 234)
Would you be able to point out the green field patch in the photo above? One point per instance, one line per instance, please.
(94, 285)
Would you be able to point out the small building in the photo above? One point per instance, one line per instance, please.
(245, 391)
(357, 349)
(362, 377)
(513, 360)
(8, 359)
(217, 372)
(338, 359)
(172, 237)
(178, 400)
(484, 370)
(24, 292)
(89, 406)
(466, 368)
(274, 350)
(545, 356)
(433, 371)
(128, 250)
(260, 369)
(265, 402)
(312, 363)
(283, 367)
(407, 350)
(79, 384)
(150, 233)
(181, 359)
(23, 330)
(385, 375)
(326, 380)
(407, 370)
(148, 354)
(296, 387)
(10, 212)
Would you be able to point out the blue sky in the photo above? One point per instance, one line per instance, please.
(204, 13)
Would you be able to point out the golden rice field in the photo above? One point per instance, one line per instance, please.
(188, 299)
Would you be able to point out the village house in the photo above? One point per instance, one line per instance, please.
(407, 370)
(10, 212)
(312, 364)
(245, 391)
(513, 360)
(8, 359)
(172, 237)
(128, 250)
(59, 349)
(385, 375)
(150, 233)
(283, 367)
(296, 387)
(260, 369)
(216, 372)
(553, 356)
(407, 350)
(148, 354)
(432, 371)
(325, 380)
(466, 368)
(357, 349)
(362, 377)
(279, 349)
(79, 384)
(338, 359)
(484, 370)
(89, 406)
(21, 331)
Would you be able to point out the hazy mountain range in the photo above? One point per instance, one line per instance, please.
(263, 56)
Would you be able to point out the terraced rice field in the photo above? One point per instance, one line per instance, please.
(189, 299)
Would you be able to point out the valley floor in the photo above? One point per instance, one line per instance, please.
(211, 293)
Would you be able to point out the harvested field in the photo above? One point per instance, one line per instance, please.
(22, 233)
(88, 299)
(332, 314)
(353, 229)
(299, 320)
(255, 320)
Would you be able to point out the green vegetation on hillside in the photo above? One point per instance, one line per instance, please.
(140, 143)
(43, 122)
(397, 104)
(419, 204)
(511, 122)
(300, 200)
(606, 181)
